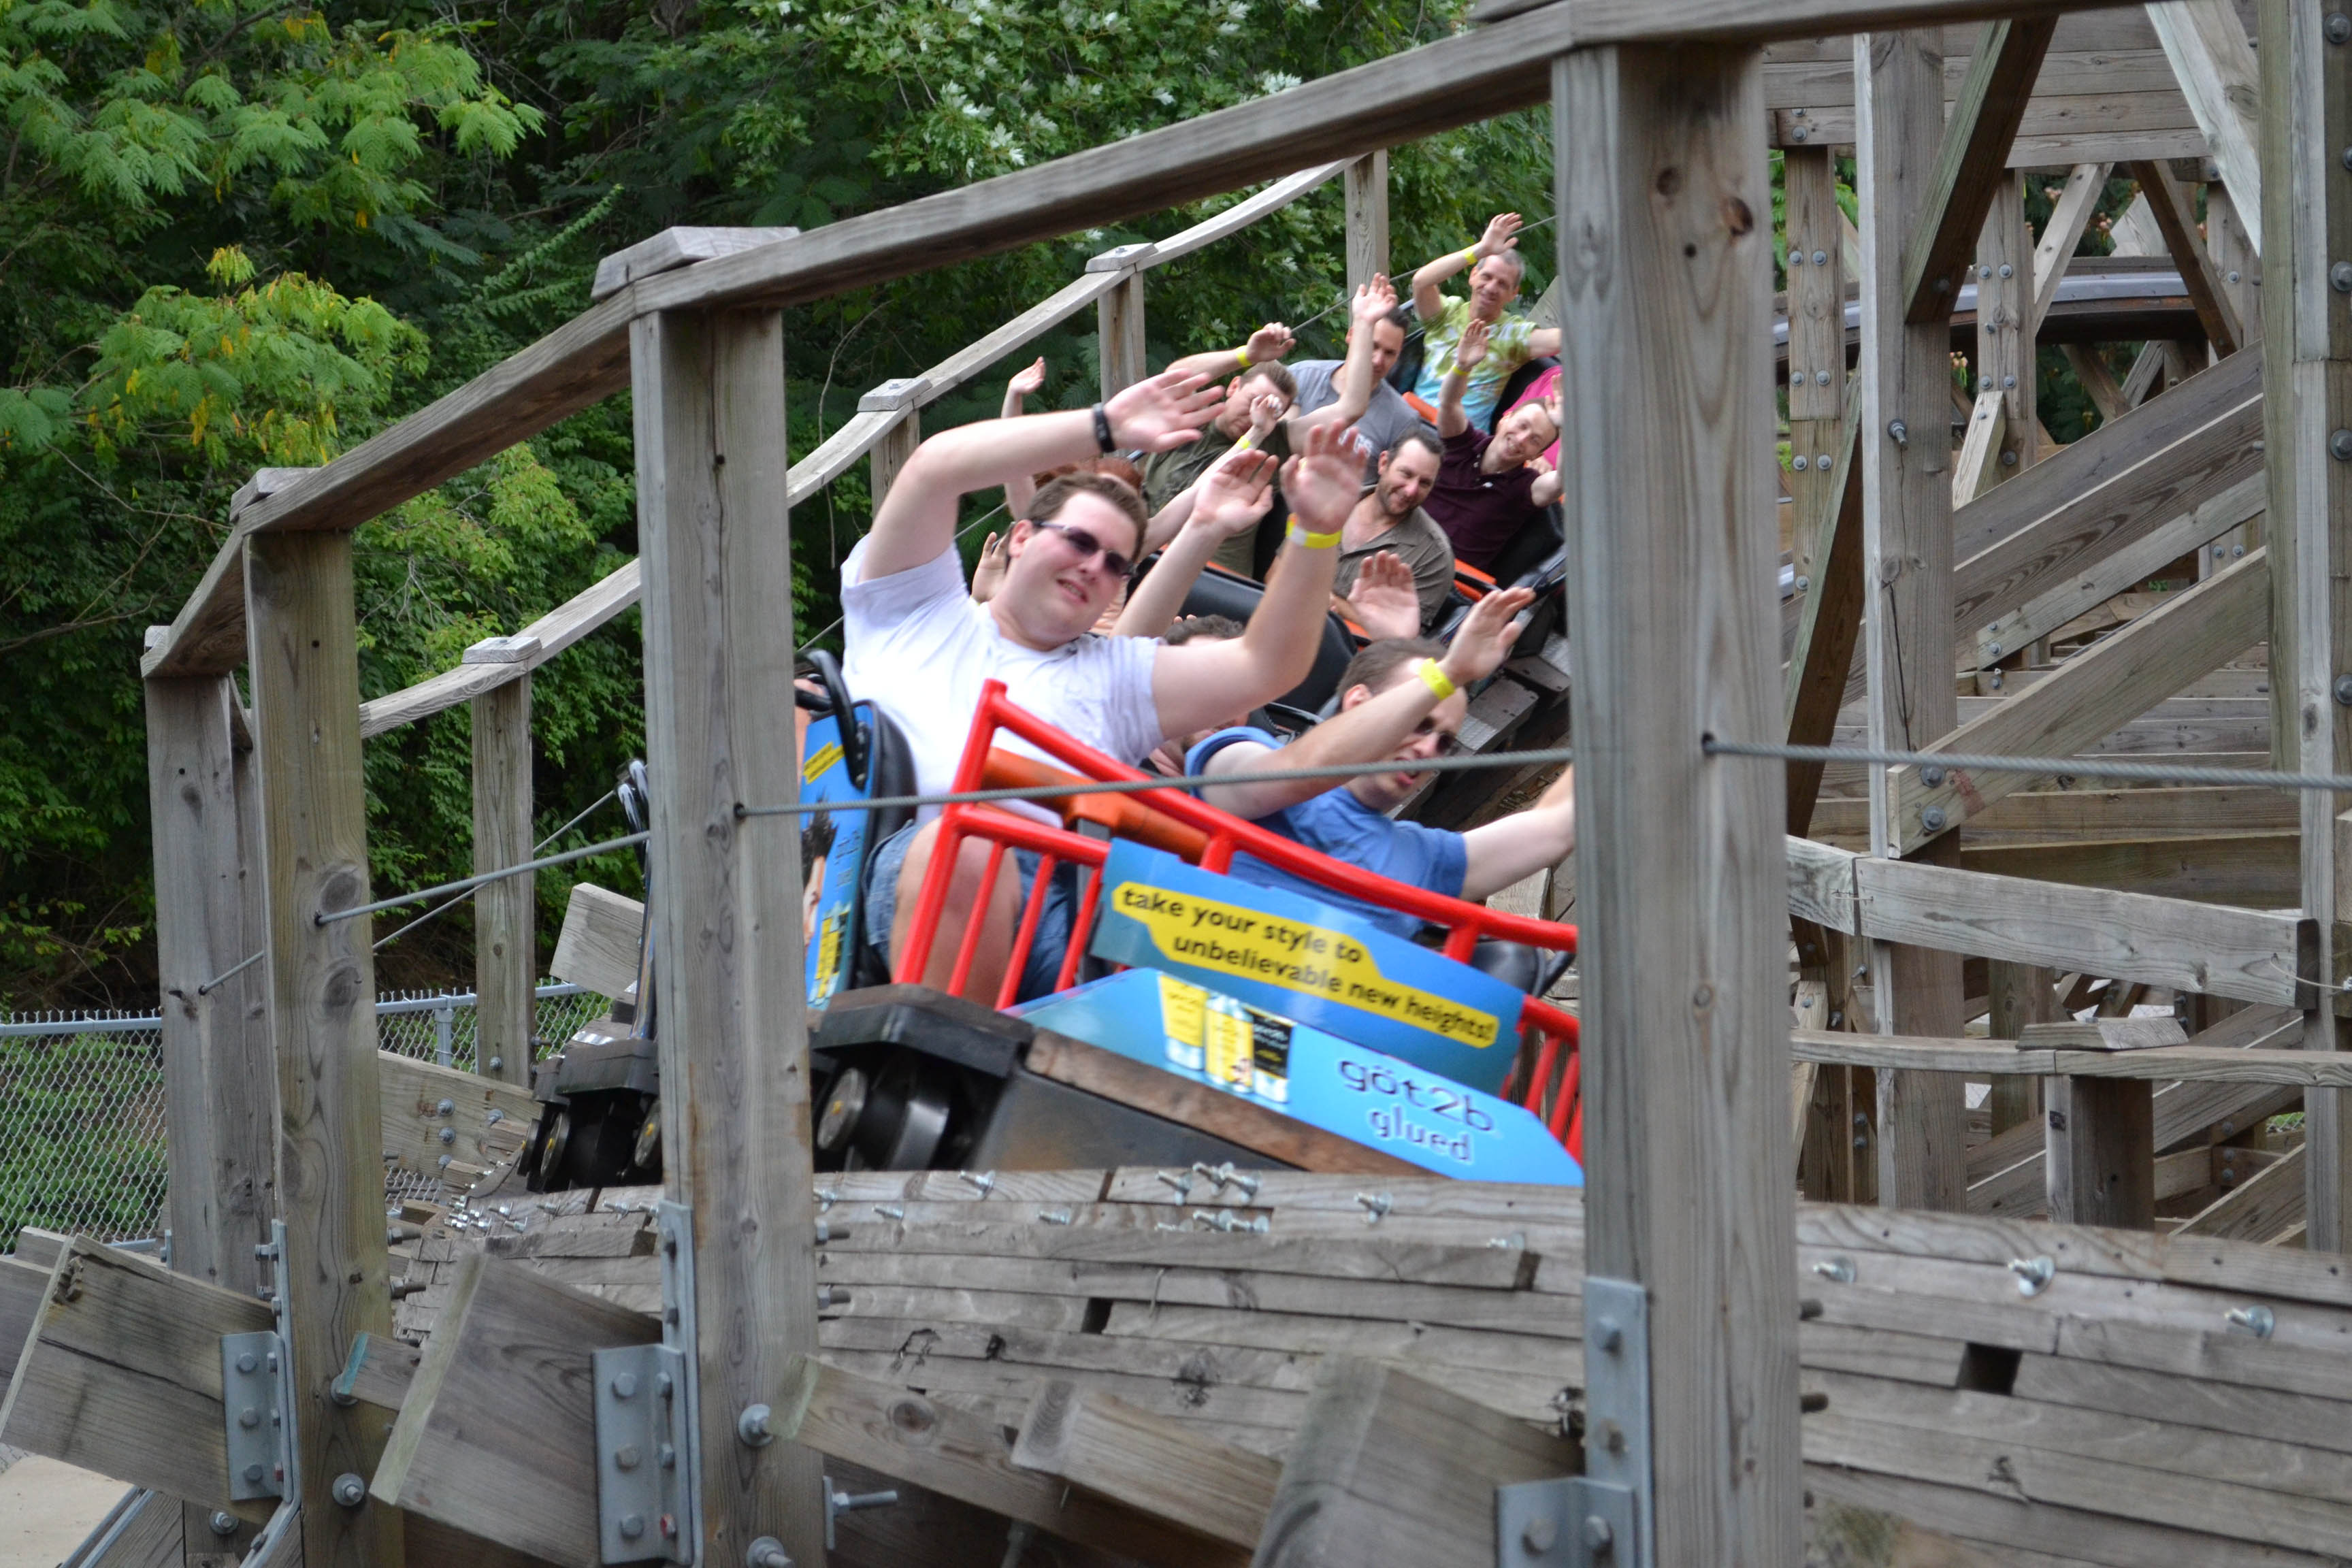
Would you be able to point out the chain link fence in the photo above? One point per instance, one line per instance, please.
(81, 1103)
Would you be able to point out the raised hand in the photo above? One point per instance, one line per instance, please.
(1164, 412)
(1387, 603)
(1234, 494)
(1373, 300)
(1265, 413)
(1028, 381)
(1323, 481)
(988, 572)
(1485, 636)
(1472, 348)
(1270, 342)
(1502, 234)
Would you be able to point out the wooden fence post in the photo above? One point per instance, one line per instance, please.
(890, 453)
(725, 895)
(1906, 479)
(2099, 1152)
(1368, 218)
(1665, 241)
(303, 649)
(2307, 193)
(505, 945)
(2004, 324)
(1118, 317)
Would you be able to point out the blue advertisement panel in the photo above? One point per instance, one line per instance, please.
(1303, 1073)
(1310, 963)
(833, 849)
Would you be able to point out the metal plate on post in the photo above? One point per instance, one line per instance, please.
(255, 1418)
(1602, 1518)
(643, 1489)
(1573, 1523)
(673, 1227)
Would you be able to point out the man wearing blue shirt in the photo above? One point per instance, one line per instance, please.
(1400, 699)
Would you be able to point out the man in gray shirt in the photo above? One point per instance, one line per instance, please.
(1355, 390)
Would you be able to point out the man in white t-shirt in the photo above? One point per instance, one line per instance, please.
(919, 649)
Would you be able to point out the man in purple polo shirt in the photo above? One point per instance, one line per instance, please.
(1489, 486)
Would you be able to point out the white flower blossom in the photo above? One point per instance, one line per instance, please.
(1276, 81)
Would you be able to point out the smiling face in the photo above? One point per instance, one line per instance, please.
(1054, 592)
(1232, 420)
(1528, 431)
(1430, 738)
(1494, 283)
(1407, 473)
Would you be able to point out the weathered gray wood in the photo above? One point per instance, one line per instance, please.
(305, 669)
(713, 515)
(2306, 227)
(1661, 175)
(121, 1374)
(2100, 1161)
(2021, 994)
(24, 1284)
(673, 248)
(497, 1433)
(488, 1119)
(2258, 1209)
(1970, 165)
(220, 1081)
(1906, 564)
(2102, 1035)
(1097, 1442)
(1387, 1468)
(2070, 215)
(1118, 325)
(2248, 955)
(2207, 47)
(1367, 217)
(2175, 216)
(506, 942)
(598, 947)
(2086, 696)
(2005, 362)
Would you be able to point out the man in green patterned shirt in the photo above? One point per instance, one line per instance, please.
(1496, 270)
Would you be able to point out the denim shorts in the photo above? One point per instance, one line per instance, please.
(1053, 938)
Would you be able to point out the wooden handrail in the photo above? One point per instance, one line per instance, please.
(600, 602)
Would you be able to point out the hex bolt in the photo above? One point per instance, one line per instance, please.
(493, 1119)
(753, 1425)
(2339, 28)
(223, 1522)
(245, 1362)
(447, 1107)
(2339, 445)
(1539, 1534)
(626, 1457)
(1800, 462)
(248, 1417)
(1822, 462)
(1932, 775)
(1598, 1538)
(497, 1064)
(2339, 276)
(350, 1490)
(767, 1552)
(1804, 584)
(1933, 819)
(1984, 272)
(2258, 1321)
(2007, 270)
(632, 1526)
(2033, 1274)
(253, 1472)
(448, 1135)
(2343, 690)
(1820, 257)
(626, 1385)
(1609, 1335)
(1840, 1270)
(1901, 433)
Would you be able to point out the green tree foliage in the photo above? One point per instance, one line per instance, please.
(241, 233)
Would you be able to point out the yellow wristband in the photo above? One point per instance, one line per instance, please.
(1437, 680)
(1300, 536)
(1245, 443)
(1470, 257)
(1241, 356)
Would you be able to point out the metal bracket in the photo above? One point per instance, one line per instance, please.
(674, 1232)
(1605, 1518)
(644, 1495)
(257, 1398)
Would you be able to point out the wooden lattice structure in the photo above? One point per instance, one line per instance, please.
(2048, 1393)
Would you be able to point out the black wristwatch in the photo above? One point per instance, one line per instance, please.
(1103, 438)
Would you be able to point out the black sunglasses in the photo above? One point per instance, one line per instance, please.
(1083, 542)
(1449, 744)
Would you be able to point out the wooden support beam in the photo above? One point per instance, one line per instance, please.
(2250, 954)
(891, 451)
(2070, 215)
(2107, 394)
(2088, 697)
(1827, 544)
(220, 1079)
(2176, 217)
(2004, 328)
(1387, 1468)
(1830, 623)
(1971, 164)
(2101, 1156)
(121, 1374)
(1906, 461)
(1119, 322)
(2214, 63)
(2261, 1208)
(736, 1124)
(2021, 994)
(958, 1454)
(304, 655)
(488, 1119)
(598, 946)
(1660, 153)
(497, 1431)
(1977, 466)
(506, 943)
(2307, 383)
(1367, 211)
(1147, 1463)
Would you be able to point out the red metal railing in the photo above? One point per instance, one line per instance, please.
(1546, 1077)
